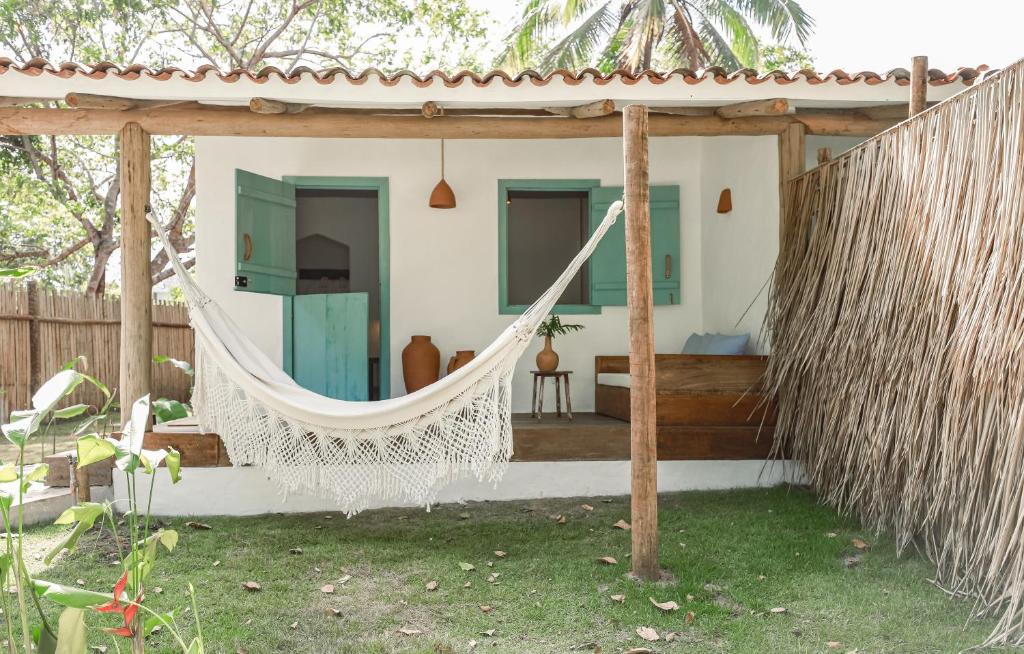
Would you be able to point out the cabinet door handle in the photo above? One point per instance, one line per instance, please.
(247, 240)
(668, 266)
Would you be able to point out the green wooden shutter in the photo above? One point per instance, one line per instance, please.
(608, 263)
(264, 234)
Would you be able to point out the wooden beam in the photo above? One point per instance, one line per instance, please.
(776, 107)
(136, 285)
(792, 163)
(269, 106)
(639, 307)
(196, 120)
(431, 109)
(14, 101)
(918, 85)
(683, 111)
(824, 155)
(590, 110)
(114, 103)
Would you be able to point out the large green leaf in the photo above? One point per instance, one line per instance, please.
(15, 273)
(135, 430)
(174, 464)
(72, 411)
(8, 473)
(151, 459)
(166, 410)
(92, 448)
(46, 643)
(85, 515)
(69, 596)
(71, 632)
(37, 473)
(159, 620)
(23, 425)
(183, 366)
(56, 389)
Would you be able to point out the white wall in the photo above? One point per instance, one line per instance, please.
(252, 493)
(738, 248)
(444, 272)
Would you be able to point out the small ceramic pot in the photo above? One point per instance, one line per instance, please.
(547, 359)
(461, 358)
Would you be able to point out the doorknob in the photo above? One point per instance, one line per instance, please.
(247, 240)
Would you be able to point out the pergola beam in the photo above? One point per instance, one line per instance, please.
(269, 106)
(198, 120)
(589, 110)
(775, 107)
(114, 103)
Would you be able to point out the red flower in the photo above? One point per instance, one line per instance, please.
(127, 612)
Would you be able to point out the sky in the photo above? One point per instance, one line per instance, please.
(880, 35)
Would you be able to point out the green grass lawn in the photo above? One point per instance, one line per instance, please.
(734, 555)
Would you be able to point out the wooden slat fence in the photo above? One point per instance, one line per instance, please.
(42, 330)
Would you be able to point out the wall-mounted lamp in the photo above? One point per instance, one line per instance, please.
(725, 201)
(442, 197)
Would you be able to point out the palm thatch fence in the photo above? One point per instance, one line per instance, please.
(897, 327)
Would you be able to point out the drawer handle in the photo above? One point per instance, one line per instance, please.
(247, 240)
(668, 266)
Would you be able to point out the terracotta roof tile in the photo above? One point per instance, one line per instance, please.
(38, 67)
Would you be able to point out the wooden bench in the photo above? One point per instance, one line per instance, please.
(711, 407)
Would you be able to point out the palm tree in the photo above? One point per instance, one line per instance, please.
(634, 34)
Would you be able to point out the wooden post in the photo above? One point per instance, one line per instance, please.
(792, 163)
(35, 366)
(918, 85)
(136, 284)
(640, 302)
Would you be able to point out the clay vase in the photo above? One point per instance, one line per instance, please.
(547, 359)
(461, 358)
(421, 363)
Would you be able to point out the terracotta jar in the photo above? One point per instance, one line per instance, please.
(547, 359)
(421, 363)
(461, 358)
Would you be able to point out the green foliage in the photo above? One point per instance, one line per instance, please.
(641, 34)
(554, 326)
(70, 634)
(784, 57)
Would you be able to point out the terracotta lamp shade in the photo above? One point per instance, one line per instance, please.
(725, 201)
(442, 197)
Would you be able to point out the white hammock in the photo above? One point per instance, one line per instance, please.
(403, 449)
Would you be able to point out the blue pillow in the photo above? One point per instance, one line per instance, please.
(716, 344)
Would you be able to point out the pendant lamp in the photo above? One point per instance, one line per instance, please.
(442, 197)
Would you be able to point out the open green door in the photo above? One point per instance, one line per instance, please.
(265, 234)
(329, 344)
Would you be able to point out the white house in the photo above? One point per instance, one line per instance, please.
(326, 253)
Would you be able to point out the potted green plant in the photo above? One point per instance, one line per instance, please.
(547, 359)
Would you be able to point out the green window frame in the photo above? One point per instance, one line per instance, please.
(506, 185)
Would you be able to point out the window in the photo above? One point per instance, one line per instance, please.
(544, 223)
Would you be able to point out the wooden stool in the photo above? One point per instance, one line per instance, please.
(537, 406)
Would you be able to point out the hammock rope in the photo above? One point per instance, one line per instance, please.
(897, 332)
(360, 454)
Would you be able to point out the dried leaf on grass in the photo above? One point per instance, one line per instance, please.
(332, 612)
(586, 507)
(608, 560)
(647, 634)
(327, 589)
(621, 599)
(431, 585)
(689, 617)
(485, 608)
(639, 650)
(252, 586)
(664, 606)
(198, 525)
(778, 609)
(500, 554)
(859, 544)
(623, 525)
(409, 631)
(467, 567)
